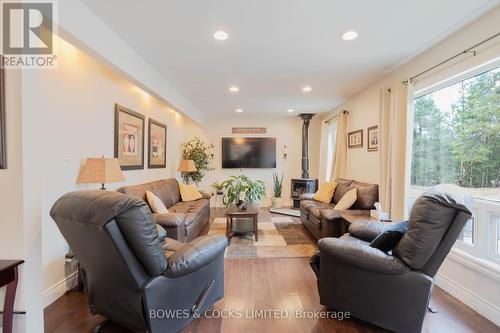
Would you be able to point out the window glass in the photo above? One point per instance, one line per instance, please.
(456, 137)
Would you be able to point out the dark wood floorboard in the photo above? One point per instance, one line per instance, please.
(287, 283)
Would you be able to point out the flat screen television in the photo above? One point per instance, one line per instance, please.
(238, 153)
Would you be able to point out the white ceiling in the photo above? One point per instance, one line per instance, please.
(277, 46)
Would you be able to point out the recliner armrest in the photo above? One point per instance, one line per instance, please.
(368, 230)
(307, 196)
(169, 219)
(195, 254)
(356, 253)
(162, 233)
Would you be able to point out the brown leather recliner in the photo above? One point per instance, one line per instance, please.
(132, 274)
(185, 220)
(322, 220)
(391, 290)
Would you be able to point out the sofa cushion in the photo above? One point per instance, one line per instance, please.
(157, 206)
(356, 253)
(367, 195)
(388, 239)
(429, 221)
(169, 219)
(189, 192)
(308, 204)
(343, 186)
(165, 189)
(347, 200)
(325, 192)
(191, 209)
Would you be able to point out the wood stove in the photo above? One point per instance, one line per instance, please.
(301, 186)
(305, 184)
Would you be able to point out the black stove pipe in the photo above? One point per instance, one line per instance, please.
(306, 117)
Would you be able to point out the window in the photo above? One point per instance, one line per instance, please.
(330, 148)
(456, 140)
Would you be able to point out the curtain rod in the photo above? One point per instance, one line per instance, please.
(336, 116)
(468, 50)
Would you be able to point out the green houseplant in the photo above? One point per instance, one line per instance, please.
(198, 151)
(277, 189)
(219, 188)
(243, 188)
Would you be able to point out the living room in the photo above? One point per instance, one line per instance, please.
(285, 102)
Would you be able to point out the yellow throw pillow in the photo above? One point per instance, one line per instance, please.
(157, 206)
(325, 192)
(189, 192)
(347, 200)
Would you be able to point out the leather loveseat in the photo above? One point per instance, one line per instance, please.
(322, 220)
(185, 220)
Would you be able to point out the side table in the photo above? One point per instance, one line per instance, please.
(9, 276)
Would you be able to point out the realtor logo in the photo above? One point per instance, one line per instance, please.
(27, 34)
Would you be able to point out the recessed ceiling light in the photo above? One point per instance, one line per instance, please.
(234, 89)
(221, 35)
(350, 35)
(291, 110)
(239, 110)
(306, 89)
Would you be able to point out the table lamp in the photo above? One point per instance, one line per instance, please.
(100, 171)
(186, 166)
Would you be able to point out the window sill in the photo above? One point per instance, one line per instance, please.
(484, 267)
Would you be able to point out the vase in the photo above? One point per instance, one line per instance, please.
(277, 202)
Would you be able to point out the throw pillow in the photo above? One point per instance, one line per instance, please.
(157, 206)
(388, 240)
(325, 192)
(347, 200)
(189, 192)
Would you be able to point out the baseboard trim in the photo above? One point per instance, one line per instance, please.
(57, 290)
(475, 302)
(18, 322)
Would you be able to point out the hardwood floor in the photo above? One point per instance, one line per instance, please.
(285, 284)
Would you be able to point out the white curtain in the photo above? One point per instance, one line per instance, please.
(339, 164)
(327, 150)
(386, 129)
(395, 136)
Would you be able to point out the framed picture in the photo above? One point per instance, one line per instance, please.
(157, 144)
(3, 135)
(372, 133)
(129, 138)
(355, 139)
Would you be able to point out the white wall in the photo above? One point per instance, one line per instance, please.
(78, 101)
(471, 286)
(11, 219)
(286, 130)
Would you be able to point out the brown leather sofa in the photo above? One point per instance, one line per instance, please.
(185, 220)
(322, 220)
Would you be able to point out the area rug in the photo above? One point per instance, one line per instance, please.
(279, 237)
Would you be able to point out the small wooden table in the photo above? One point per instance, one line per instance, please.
(233, 211)
(351, 217)
(9, 276)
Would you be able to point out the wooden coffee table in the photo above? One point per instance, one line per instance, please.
(233, 212)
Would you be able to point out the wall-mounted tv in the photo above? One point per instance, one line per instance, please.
(249, 153)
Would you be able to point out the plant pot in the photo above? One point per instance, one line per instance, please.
(276, 202)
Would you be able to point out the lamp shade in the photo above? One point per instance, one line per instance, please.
(187, 166)
(100, 171)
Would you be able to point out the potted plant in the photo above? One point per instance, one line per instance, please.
(241, 189)
(199, 152)
(277, 189)
(219, 188)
